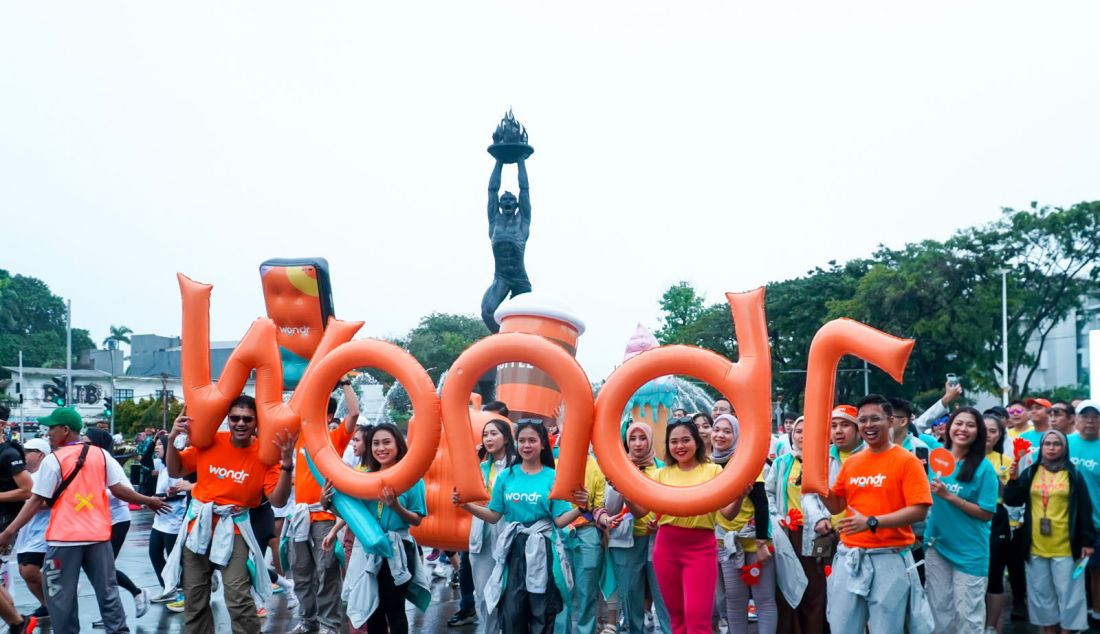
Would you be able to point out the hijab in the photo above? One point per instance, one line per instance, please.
(650, 458)
(797, 453)
(1057, 465)
(722, 457)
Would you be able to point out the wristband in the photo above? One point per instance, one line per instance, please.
(289, 469)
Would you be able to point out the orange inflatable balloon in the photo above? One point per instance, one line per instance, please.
(834, 340)
(424, 428)
(566, 373)
(208, 402)
(447, 527)
(746, 383)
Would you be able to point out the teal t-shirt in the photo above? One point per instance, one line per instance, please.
(1085, 455)
(1033, 437)
(931, 441)
(960, 539)
(413, 500)
(525, 498)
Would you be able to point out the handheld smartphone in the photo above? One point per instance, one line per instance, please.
(952, 380)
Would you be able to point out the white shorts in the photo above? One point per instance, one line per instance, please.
(1054, 597)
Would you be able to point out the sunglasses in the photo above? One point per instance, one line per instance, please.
(233, 418)
(1015, 410)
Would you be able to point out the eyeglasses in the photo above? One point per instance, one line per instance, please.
(233, 418)
(863, 420)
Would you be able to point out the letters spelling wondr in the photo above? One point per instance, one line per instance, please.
(597, 421)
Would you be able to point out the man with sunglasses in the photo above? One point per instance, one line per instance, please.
(1063, 419)
(1017, 422)
(1084, 448)
(884, 491)
(217, 534)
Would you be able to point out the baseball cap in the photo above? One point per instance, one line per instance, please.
(66, 416)
(1037, 401)
(1088, 403)
(37, 444)
(847, 412)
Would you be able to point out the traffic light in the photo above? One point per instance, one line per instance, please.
(107, 406)
(56, 393)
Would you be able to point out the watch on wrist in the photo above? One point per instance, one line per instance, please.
(289, 469)
(872, 524)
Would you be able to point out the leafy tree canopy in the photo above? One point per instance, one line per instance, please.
(32, 319)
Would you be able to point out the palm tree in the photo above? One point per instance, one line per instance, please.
(118, 334)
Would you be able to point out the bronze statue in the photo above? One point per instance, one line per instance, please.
(509, 220)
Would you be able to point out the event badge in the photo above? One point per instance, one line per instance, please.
(1044, 527)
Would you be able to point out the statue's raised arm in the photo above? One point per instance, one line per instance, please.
(524, 195)
(494, 191)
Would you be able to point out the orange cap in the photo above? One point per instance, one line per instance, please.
(847, 412)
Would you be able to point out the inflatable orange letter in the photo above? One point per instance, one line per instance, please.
(746, 383)
(834, 340)
(562, 368)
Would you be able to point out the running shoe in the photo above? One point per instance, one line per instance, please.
(41, 613)
(30, 622)
(752, 611)
(176, 606)
(165, 597)
(98, 625)
(432, 556)
(261, 612)
(463, 617)
(141, 604)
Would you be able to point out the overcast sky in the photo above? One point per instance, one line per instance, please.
(730, 144)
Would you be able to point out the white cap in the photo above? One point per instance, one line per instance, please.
(37, 444)
(538, 305)
(1087, 403)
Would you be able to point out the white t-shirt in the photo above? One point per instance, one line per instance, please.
(120, 509)
(49, 477)
(168, 522)
(32, 537)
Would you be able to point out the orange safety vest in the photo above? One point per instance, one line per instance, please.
(82, 513)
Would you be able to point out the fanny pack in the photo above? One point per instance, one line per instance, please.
(825, 545)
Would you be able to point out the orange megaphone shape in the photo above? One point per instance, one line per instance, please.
(746, 383)
(834, 340)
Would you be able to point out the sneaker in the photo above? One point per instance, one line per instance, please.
(98, 625)
(165, 597)
(650, 621)
(176, 606)
(30, 622)
(41, 613)
(432, 556)
(141, 604)
(463, 617)
(286, 586)
(261, 612)
(752, 611)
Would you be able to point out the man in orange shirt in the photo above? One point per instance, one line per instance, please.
(217, 533)
(885, 491)
(315, 570)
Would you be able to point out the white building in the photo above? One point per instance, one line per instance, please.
(1065, 357)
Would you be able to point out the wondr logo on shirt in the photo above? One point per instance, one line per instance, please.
(867, 481)
(530, 498)
(1087, 463)
(222, 473)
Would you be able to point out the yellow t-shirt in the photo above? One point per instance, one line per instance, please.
(641, 524)
(673, 475)
(1055, 488)
(794, 487)
(1013, 433)
(743, 517)
(839, 516)
(596, 485)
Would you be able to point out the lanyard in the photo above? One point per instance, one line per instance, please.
(492, 476)
(1046, 487)
(380, 507)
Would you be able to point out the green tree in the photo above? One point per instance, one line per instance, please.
(440, 337)
(32, 320)
(119, 334)
(681, 307)
(134, 416)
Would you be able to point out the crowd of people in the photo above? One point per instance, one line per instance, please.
(894, 546)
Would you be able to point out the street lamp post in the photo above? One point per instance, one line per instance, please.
(1004, 337)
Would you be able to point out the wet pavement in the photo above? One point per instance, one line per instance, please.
(134, 561)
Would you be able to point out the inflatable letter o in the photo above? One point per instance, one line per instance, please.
(834, 340)
(562, 368)
(424, 428)
(746, 383)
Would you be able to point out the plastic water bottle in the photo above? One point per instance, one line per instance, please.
(181, 441)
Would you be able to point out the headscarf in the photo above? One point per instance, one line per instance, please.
(722, 457)
(651, 457)
(797, 453)
(1054, 466)
(100, 438)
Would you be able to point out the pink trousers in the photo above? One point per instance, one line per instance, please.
(686, 563)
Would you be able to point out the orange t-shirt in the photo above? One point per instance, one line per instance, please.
(306, 488)
(228, 474)
(877, 484)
